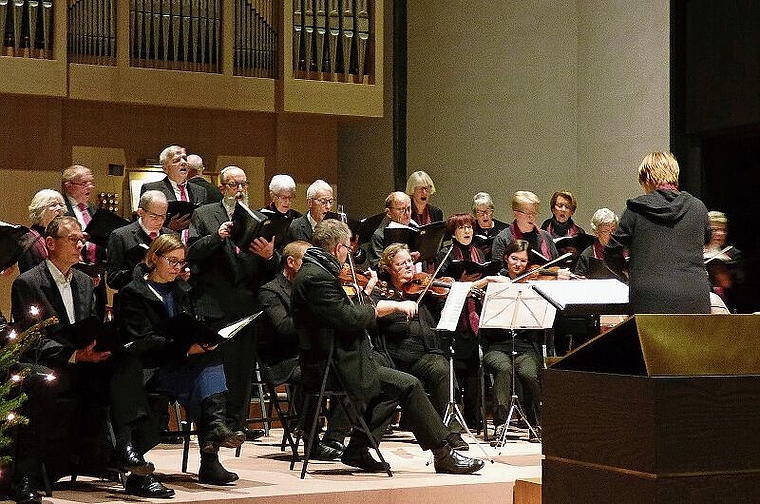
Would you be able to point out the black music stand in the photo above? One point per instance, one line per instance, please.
(449, 317)
(515, 306)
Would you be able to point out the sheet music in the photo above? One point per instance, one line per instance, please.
(515, 306)
(453, 307)
(232, 329)
(584, 292)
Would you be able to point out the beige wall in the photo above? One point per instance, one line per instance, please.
(524, 95)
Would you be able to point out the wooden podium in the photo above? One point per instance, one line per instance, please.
(660, 409)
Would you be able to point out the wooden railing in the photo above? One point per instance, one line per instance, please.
(27, 28)
(334, 40)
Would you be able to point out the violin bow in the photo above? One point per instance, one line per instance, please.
(437, 270)
(550, 263)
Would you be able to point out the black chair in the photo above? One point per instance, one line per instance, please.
(338, 389)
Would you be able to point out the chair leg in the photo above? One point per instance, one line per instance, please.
(46, 482)
(313, 430)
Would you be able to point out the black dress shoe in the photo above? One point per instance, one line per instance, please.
(362, 459)
(455, 463)
(456, 442)
(147, 486)
(128, 460)
(253, 434)
(26, 492)
(324, 452)
(334, 444)
(212, 472)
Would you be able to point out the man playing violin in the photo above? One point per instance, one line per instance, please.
(410, 344)
(327, 321)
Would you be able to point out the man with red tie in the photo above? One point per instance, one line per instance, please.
(77, 184)
(127, 244)
(174, 163)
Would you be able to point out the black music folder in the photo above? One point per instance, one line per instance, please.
(426, 239)
(536, 257)
(185, 327)
(91, 269)
(248, 225)
(365, 228)
(598, 269)
(14, 240)
(179, 209)
(102, 224)
(277, 227)
(457, 268)
(580, 242)
(136, 254)
(82, 333)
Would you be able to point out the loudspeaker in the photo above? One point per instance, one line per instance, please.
(116, 170)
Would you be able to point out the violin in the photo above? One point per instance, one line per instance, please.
(438, 287)
(362, 279)
(538, 272)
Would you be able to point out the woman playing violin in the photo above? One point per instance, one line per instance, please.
(498, 347)
(411, 344)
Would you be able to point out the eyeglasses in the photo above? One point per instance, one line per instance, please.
(423, 188)
(529, 214)
(483, 212)
(325, 201)
(465, 226)
(174, 262)
(89, 183)
(562, 206)
(234, 185)
(406, 209)
(155, 215)
(75, 239)
(349, 247)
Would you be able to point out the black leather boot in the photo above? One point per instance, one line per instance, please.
(212, 472)
(214, 431)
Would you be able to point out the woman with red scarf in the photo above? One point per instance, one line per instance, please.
(603, 224)
(525, 208)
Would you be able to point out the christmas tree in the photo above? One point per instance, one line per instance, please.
(14, 346)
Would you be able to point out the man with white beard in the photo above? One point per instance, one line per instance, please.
(227, 279)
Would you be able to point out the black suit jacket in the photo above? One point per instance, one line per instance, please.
(323, 313)
(195, 193)
(213, 194)
(100, 252)
(37, 287)
(121, 241)
(144, 322)
(277, 320)
(300, 229)
(225, 281)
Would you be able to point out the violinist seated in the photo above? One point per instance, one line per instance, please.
(498, 348)
(278, 347)
(411, 344)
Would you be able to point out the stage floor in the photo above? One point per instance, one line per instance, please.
(264, 475)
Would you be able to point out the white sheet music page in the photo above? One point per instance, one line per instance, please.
(584, 292)
(453, 307)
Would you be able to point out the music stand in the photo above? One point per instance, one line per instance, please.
(515, 306)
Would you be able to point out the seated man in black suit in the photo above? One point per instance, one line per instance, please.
(135, 236)
(319, 200)
(325, 317)
(398, 209)
(226, 281)
(84, 374)
(195, 176)
(174, 163)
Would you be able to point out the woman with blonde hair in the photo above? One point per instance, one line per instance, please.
(419, 187)
(46, 205)
(664, 231)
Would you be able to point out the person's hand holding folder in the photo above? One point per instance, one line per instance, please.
(262, 247)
